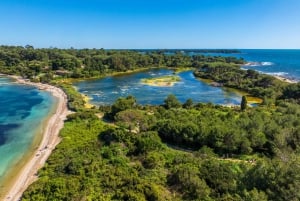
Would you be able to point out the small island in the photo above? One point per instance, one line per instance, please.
(164, 81)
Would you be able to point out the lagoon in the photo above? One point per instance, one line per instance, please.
(106, 90)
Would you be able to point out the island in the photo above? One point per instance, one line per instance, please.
(164, 81)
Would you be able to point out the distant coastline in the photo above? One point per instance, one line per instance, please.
(50, 139)
(284, 79)
(279, 77)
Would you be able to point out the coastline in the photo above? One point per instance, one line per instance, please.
(10, 176)
(284, 79)
(50, 138)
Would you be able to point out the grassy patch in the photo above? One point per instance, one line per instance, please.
(164, 81)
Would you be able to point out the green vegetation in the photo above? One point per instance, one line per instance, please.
(190, 151)
(267, 87)
(182, 69)
(45, 65)
(175, 152)
(244, 103)
(172, 102)
(168, 80)
(292, 92)
(231, 75)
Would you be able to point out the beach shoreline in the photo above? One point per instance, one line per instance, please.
(50, 138)
(284, 79)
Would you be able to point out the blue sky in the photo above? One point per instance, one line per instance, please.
(151, 23)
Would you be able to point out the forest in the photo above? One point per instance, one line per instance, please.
(174, 151)
(44, 65)
(190, 151)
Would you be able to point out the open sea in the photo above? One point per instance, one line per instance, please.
(23, 109)
(285, 63)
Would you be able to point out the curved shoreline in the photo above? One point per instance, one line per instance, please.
(15, 168)
(50, 139)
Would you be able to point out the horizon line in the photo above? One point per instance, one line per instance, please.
(51, 47)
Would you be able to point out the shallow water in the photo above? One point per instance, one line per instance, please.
(107, 90)
(22, 112)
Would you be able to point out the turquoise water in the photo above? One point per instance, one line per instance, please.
(284, 63)
(105, 91)
(23, 109)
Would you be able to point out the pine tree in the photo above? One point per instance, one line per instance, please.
(244, 103)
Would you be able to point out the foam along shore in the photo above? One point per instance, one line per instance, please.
(164, 81)
(285, 79)
(28, 173)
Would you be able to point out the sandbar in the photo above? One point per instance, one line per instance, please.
(164, 81)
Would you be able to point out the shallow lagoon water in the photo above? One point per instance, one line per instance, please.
(106, 90)
(23, 110)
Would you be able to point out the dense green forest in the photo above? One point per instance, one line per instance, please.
(259, 85)
(46, 64)
(175, 151)
(247, 80)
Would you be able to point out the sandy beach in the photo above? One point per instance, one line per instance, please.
(28, 173)
(285, 79)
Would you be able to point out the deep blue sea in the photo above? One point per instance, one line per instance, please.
(22, 112)
(284, 63)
